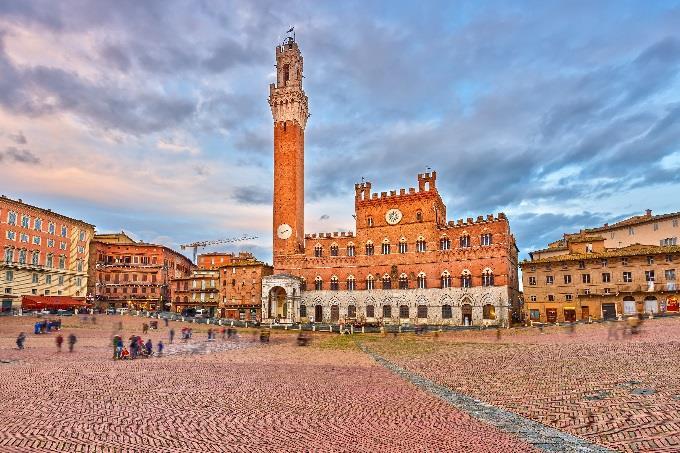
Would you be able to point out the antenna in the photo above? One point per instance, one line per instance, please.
(203, 244)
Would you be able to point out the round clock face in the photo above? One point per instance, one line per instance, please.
(284, 231)
(393, 216)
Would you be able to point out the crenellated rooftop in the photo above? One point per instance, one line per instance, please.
(334, 234)
(480, 220)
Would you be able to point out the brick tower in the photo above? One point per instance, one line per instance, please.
(288, 102)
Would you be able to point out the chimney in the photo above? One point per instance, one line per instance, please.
(648, 212)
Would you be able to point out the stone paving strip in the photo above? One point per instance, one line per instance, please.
(536, 434)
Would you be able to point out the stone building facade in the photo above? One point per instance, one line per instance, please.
(125, 273)
(43, 253)
(405, 264)
(585, 279)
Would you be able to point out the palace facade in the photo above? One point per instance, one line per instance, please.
(406, 263)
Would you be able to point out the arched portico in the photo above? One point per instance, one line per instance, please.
(281, 298)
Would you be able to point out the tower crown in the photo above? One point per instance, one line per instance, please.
(287, 99)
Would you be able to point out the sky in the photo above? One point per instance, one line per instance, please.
(152, 117)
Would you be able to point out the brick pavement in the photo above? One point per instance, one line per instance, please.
(249, 397)
(623, 394)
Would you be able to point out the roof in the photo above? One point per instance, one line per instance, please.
(46, 211)
(54, 302)
(114, 238)
(634, 220)
(631, 250)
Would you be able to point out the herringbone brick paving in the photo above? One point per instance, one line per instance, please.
(236, 395)
(620, 393)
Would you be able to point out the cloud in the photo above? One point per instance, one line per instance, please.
(252, 195)
(324, 217)
(23, 156)
(171, 145)
(18, 138)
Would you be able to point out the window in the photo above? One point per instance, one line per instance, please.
(421, 245)
(62, 246)
(51, 228)
(567, 297)
(334, 283)
(11, 218)
(36, 240)
(656, 226)
(403, 281)
(551, 298)
(650, 260)
(385, 247)
(8, 290)
(447, 313)
(446, 279)
(535, 315)
(464, 241)
(585, 278)
(607, 290)
(9, 255)
(549, 279)
(422, 281)
(422, 311)
(64, 231)
(649, 276)
(11, 235)
(35, 258)
(334, 250)
(61, 279)
(37, 225)
(567, 279)
(370, 282)
(487, 277)
(351, 311)
(403, 246)
(489, 311)
(318, 250)
(81, 249)
(24, 238)
(48, 279)
(350, 250)
(370, 311)
(9, 276)
(351, 283)
(50, 242)
(631, 231)
(318, 283)
(669, 274)
(386, 282)
(419, 216)
(624, 261)
(369, 248)
(606, 277)
(25, 221)
(533, 298)
(669, 258)
(466, 279)
(444, 243)
(532, 281)
(581, 264)
(81, 236)
(80, 267)
(303, 285)
(403, 311)
(627, 277)
(486, 239)
(79, 282)
(603, 262)
(303, 311)
(22, 256)
(62, 262)
(387, 311)
(369, 221)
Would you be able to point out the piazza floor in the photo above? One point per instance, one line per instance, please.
(240, 395)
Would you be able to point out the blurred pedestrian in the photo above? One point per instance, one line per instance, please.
(71, 342)
(149, 347)
(612, 332)
(165, 320)
(498, 333)
(172, 335)
(20, 340)
(160, 347)
(145, 328)
(59, 341)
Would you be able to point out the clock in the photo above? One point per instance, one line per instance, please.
(284, 231)
(393, 216)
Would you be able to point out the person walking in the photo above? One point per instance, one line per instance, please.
(59, 341)
(165, 320)
(160, 347)
(149, 347)
(145, 328)
(71, 342)
(20, 340)
(172, 335)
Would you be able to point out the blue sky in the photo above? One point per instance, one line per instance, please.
(152, 116)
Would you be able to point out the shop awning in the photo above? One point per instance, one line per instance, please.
(52, 303)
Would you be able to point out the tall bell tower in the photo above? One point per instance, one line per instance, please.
(288, 103)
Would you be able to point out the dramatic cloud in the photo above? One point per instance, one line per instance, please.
(561, 115)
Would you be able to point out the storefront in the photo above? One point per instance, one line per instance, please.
(570, 314)
(672, 304)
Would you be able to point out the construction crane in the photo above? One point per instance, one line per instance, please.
(204, 244)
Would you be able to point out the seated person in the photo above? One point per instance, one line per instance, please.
(124, 354)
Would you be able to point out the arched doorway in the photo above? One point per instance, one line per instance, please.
(651, 305)
(629, 307)
(466, 310)
(318, 313)
(335, 313)
(278, 306)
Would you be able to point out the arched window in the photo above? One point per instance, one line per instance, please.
(351, 283)
(419, 216)
(422, 311)
(350, 249)
(403, 246)
(386, 282)
(369, 248)
(487, 277)
(303, 311)
(421, 245)
(9, 255)
(446, 279)
(318, 250)
(334, 249)
(318, 283)
(444, 243)
(186, 299)
(303, 285)
(369, 221)
(403, 281)
(334, 283)
(387, 311)
(22, 258)
(465, 240)
(35, 258)
(370, 282)
(370, 311)
(386, 246)
(446, 312)
(351, 311)
(486, 239)
(422, 281)
(403, 311)
(489, 311)
(466, 279)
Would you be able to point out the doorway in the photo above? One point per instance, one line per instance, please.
(318, 313)
(608, 311)
(569, 315)
(651, 305)
(466, 310)
(585, 312)
(335, 313)
(551, 315)
(278, 306)
(629, 307)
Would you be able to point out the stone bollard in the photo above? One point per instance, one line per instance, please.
(182, 318)
(220, 322)
(232, 324)
(399, 328)
(351, 329)
(285, 327)
(363, 329)
(300, 327)
(246, 324)
(313, 327)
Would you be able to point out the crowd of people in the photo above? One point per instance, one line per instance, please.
(137, 348)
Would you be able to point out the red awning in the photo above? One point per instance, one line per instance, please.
(51, 303)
